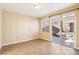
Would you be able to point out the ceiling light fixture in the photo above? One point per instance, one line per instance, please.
(36, 6)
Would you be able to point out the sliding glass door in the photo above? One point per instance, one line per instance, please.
(63, 29)
(68, 29)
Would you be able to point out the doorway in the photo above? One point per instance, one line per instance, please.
(63, 30)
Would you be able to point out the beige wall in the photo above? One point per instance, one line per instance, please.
(0, 27)
(18, 28)
(45, 35)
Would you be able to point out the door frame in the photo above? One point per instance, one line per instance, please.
(75, 26)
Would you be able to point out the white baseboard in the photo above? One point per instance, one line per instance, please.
(18, 42)
(23, 41)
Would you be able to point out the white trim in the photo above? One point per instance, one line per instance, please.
(50, 28)
(75, 27)
(18, 42)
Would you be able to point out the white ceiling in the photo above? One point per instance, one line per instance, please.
(28, 9)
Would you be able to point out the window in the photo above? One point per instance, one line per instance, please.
(56, 18)
(45, 25)
(56, 21)
(68, 21)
